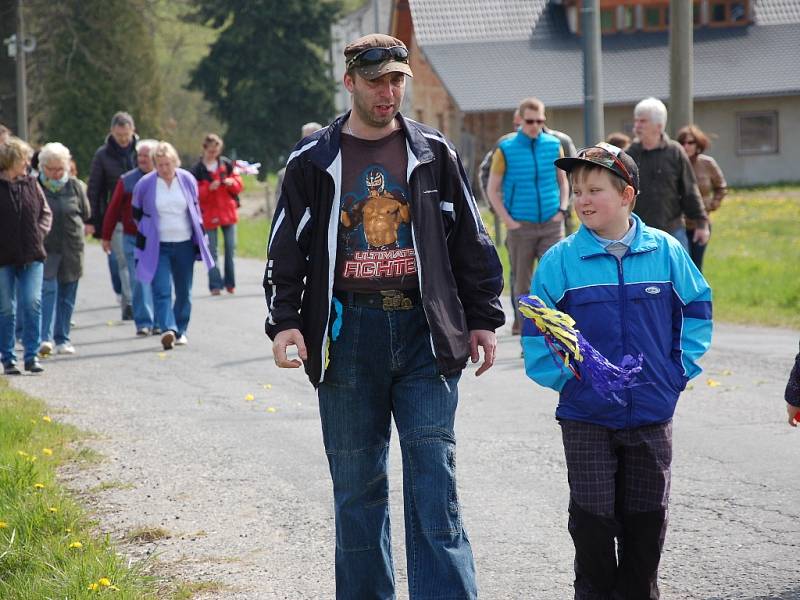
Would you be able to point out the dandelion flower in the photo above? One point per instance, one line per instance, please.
(68, 530)
(76, 545)
(46, 419)
(267, 386)
(93, 587)
(3, 524)
(22, 453)
(38, 486)
(249, 397)
(713, 383)
(47, 452)
(272, 409)
(104, 581)
(53, 509)
(162, 355)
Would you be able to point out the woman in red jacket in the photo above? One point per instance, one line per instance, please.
(219, 187)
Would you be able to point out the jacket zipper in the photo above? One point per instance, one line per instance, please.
(536, 181)
(624, 329)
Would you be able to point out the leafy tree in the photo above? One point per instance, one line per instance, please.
(267, 73)
(94, 57)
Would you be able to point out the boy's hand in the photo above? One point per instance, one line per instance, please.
(794, 414)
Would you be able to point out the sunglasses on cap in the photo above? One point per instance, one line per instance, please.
(532, 121)
(606, 155)
(375, 56)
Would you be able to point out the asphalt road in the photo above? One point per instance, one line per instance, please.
(241, 485)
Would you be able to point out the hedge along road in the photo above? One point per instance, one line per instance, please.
(214, 444)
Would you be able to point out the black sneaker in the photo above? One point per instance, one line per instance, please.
(33, 366)
(11, 369)
(127, 313)
(156, 331)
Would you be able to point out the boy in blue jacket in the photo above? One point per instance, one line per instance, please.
(632, 290)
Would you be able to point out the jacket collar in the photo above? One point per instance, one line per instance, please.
(588, 246)
(328, 141)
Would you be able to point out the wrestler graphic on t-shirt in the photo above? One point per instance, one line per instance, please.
(381, 213)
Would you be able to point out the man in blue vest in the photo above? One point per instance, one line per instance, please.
(529, 195)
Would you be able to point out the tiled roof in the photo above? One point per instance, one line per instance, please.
(728, 63)
(444, 21)
(776, 12)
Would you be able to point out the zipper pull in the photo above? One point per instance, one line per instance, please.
(446, 385)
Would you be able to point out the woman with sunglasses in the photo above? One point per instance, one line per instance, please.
(710, 180)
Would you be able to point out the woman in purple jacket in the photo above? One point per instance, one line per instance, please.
(170, 238)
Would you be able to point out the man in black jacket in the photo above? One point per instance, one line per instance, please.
(112, 159)
(381, 273)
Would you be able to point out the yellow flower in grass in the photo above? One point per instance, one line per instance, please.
(47, 452)
(77, 545)
(104, 581)
(93, 587)
(22, 453)
(68, 530)
(53, 509)
(47, 419)
(3, 524)
(38, 486)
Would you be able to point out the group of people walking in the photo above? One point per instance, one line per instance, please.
(154, 220)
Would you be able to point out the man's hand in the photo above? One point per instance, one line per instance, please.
(558, 217)
(487, 341)
(701, 235)
(106, 246)
(511, 224)
(286, 338)
(228, 181)
(794, 414)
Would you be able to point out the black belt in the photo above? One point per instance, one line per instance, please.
(387, 300)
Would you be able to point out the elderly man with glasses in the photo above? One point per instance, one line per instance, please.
(529, 195)
(669, 191)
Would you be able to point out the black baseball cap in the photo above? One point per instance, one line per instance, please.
(377, 54)
(607, 156)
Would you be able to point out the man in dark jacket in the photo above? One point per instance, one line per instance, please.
(381, 273)
(668, 189)
(112, 159)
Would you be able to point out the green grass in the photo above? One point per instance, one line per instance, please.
(752, 261)
(47, 545)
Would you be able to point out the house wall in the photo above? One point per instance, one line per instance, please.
(718, 118)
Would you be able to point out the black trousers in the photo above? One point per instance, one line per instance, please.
(619, 493)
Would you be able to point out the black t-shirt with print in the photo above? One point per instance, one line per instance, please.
(375, 250)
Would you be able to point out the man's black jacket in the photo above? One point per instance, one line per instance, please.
(460, 274)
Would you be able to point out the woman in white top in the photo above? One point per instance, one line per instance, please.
(170, 238)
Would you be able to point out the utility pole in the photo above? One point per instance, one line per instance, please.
(22, 86)
(593, 125)
(681, 68)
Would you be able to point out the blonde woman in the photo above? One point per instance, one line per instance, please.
(170, 238)
(25, 220)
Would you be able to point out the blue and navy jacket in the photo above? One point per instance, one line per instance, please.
(530, 183)
(653, 301)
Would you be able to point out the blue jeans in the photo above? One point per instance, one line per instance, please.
(142, 293)
(113, 268)
(175, 265)
(229, 237)
(680, 235)
(381, 366)
(696, 251)
(58, 302)
(28, 280)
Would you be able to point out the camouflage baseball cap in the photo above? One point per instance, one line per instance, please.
(375, 55)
